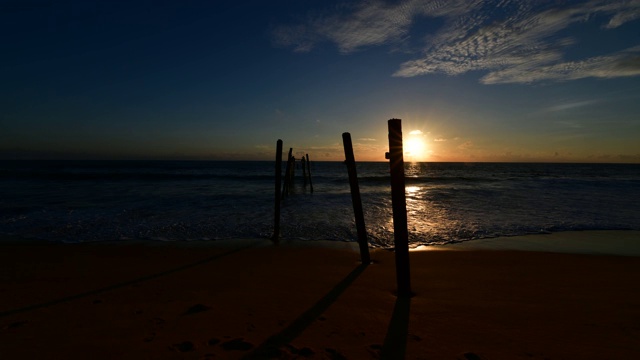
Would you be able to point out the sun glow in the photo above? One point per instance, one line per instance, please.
(415, 148)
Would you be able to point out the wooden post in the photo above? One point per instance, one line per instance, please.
(292, 175)
(355, 198)
(276, 217)
(304, 172)
(399, 203)
(309, 173)
(285, 187)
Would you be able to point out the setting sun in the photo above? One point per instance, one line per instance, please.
(415, 148)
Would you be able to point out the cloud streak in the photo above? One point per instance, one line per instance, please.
(570, 105)
(511, 41)
(350, 27)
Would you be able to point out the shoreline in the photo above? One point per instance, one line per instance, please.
(126, 300)
(592, 242)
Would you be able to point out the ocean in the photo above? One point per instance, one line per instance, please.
(86, 201)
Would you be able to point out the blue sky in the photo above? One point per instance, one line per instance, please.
(472, 80)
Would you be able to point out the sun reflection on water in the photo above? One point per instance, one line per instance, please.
(411, 190)
(427, 220)
(430, 216)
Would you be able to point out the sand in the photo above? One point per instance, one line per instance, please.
(198, 301)
(600, 242)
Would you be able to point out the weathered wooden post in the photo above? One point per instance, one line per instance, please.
(292, 175)
(355, 198)
(285, 187)
(304, 172)
(309, 173)
(399, 203)
(276, 216)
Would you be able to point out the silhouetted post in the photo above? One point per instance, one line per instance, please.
(355, 198)
(285, 188)
(293, 171)
(276, 216)
(399, 202)
(304, 172)
(309, 173)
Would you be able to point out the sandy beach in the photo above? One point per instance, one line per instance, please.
(253, 300)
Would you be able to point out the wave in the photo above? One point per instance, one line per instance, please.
(183, 201)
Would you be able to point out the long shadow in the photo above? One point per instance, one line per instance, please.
(120, 285)
(395, 343)
(270, 347)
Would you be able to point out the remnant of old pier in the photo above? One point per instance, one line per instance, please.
(287, 184)
(398, 199)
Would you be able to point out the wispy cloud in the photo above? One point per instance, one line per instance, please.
(512, 41)
(350, 26)
(415, 132)
(570, 105)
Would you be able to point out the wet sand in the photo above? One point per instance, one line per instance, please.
(198, 301)
(596, 242)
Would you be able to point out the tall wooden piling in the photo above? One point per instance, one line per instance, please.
(304, 172)
(309, 173)
(287, 177)
(399, 203)
(276, 216)
(355, 198)
(292, 173)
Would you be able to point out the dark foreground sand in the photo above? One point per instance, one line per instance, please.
(170, 301)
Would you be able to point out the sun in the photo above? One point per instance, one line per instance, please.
(414, 148)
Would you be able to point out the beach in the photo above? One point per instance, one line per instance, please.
(251, 299)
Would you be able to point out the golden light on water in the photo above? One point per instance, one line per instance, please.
(415, 206)
(412, 190)
(418, 210)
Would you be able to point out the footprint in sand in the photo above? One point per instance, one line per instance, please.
(157, 321)
(304, 352)
(470, 356)
(185, 346)
(237, 344)
(374, 350)
(334, 354)
(150, 337)
(197, 308)
(16, 324)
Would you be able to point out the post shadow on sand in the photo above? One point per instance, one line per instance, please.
(270, 348)
(395, 342)
(122, 284)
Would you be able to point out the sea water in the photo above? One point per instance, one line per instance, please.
(82, 201)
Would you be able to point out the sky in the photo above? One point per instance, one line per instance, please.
(472, 80)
